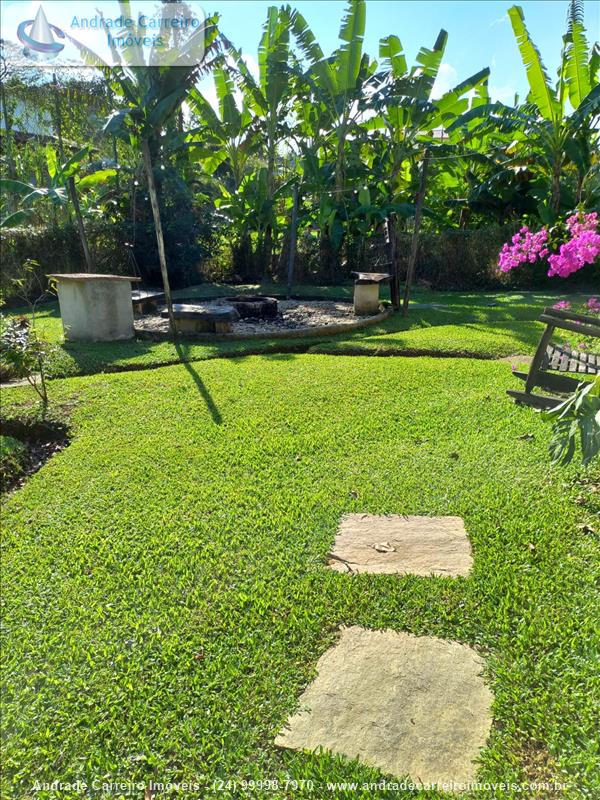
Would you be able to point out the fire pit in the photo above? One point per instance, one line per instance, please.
(290, 317)
(253, 306)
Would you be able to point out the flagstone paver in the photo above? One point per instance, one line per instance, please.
(409, 705)
(401, 545)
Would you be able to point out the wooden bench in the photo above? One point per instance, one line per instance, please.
(146, 300)
(552, 361)
(203, 317)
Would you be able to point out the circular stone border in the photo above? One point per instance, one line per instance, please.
(296, 333)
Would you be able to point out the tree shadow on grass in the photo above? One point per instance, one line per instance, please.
(206, 396)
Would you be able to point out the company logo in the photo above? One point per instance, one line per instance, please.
(37, 35)
(113, 32)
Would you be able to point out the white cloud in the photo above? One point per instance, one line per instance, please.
(505, 93)
(447, 78)
(252, 64)
(499, 21)
(210, 93)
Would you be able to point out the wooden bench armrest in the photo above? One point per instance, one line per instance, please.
(557, 317)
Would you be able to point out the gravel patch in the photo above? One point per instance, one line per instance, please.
(293, 315)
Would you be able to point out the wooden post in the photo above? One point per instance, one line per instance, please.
(394, 272)
(71, 189)
(293, 239)
(415, 237)
(115, 148)
(10, 161)
(89, 264)
(162, 258)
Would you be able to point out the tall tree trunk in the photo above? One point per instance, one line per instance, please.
(115, 148)
(293, 237)
(116, 160)
(328, 257)
(394, 270)
(89, 263)
(415, 237)
(267, 252)
(10, 161)
(149, 169)
(555, 192)
(71, 189)
(267, 248)
(340, 171)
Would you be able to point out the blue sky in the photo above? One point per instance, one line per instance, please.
(479, 31)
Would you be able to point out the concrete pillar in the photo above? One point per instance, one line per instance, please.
(95, 308)
(366, 298)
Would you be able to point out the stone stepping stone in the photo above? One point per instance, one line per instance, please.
(411, 706)
(401, 545)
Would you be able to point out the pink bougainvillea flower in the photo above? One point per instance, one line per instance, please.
(582, 248)
(593, 304)
(562, 305)
(526, 248)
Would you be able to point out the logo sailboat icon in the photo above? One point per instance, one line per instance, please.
(37, 34)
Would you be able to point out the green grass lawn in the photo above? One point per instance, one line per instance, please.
(165, 594)
(484, 325)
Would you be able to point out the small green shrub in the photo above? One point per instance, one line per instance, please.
(23, 354)
(577, 417)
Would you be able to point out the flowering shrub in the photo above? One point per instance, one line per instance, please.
(526, 247)
(567, 247)
(593, 304)
(23, 354)
(582, 248)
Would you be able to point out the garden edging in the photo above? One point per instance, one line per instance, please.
(299, 333)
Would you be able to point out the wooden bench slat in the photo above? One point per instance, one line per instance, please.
(562, 358)
(547, 357)
(556, 354)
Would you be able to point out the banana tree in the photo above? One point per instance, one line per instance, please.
(336, 83)
(406, 111)
(268, 98)
(408, 122)
(224, 145)
(228, 136)
(557, 127)
(329, 117)
(148, 98)
(249, 211)
(65, 181)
